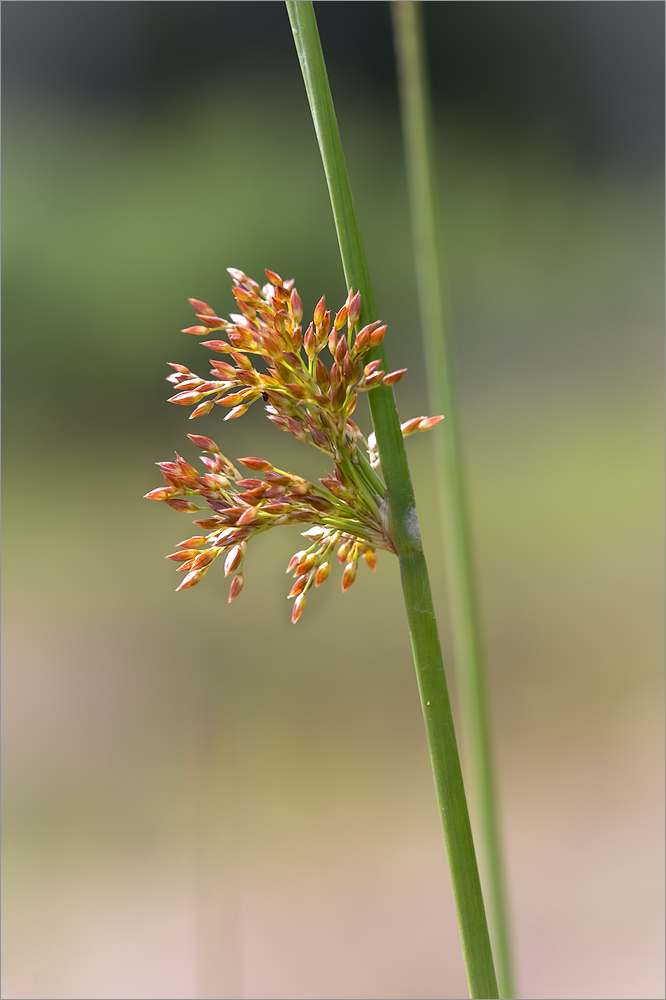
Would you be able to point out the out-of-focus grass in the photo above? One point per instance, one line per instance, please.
(139, 721)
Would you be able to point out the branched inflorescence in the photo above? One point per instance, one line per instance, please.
(346, 508)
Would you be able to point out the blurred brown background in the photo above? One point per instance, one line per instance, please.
(202, 800)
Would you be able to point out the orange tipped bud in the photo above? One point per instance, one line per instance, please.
(162, 493)
(183, 556)
(343, 552)
(193, 577)
(234, 559)
(411, 426)
(201, 307)
(186, 398)
(393, 377)
(320, 311)
(376, 337)
(198, 331)
(193, 542)
(237, 411)
(340, 318)
(298, 608)
(202, 409)
(309, 342)
(258, 464)
(306, 564)
(236, 586)
(429, 422)
(248, 517)
(296, 305)
(354, 310)
(322, 573)
(348, 576)
(298, 587)
(295, 559)
(371, 558)
(182, 505)
(273, 276)
(220, 346)
(204, 443)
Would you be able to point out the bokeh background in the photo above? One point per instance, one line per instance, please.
(201, 800)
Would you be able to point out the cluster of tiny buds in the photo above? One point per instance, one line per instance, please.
(347, 507)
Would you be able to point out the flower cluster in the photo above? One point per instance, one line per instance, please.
(347, 508)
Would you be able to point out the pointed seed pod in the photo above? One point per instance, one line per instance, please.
(320, 310)
(192, 578)
(295, 305)
(370, 557)
(258, 464)
(201, 307)
(273, 276)
(298, 608)
(340, 318)
(322, 573)
(354, 310)
(182, 505)
(202, 409)
(393, 377)
(204, 443)
(236, 586)
(198, 331)
(237, 411)
(233, 560)
(348, 576)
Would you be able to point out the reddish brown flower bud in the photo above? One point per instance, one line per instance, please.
(183, 505)
(159, 494)
(393, 377)
(321, 375)
(202, 409)
(194, 542)
(220, 346)
(258, 464)
(322, 573)
(198, 331)
(341, 349)
(335, 375)
(354, 310)
(340, 318)
(236, 586)
(202, 559)
(183, 556)
(234, 559)
(298, 608)
(309, 342)
(204, 443)
(186, 398)
(296, 305)
(376, 337)
(320, 310)
(298, 587)
(273, 276)
(237, 411)
(332, 341)
(371, 558)
(306, 564)
(348, 576)
(193, 577)
(429, 422)
(343, 552)
(201, 307)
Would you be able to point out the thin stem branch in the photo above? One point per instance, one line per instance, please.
(419, 152)
(403, 526)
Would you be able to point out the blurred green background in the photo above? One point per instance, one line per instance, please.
(199, 799)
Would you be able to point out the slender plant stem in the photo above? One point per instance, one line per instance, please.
(403, 526)
(419, 151)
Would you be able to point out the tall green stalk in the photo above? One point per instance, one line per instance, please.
(403, 525)
(419, 152)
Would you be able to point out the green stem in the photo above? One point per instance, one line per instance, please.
(405, 533)
(419, 151)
